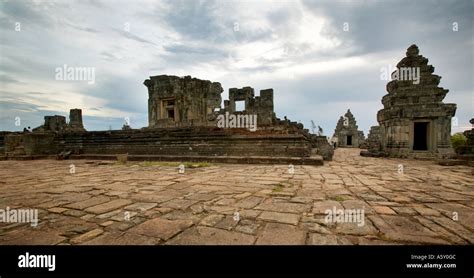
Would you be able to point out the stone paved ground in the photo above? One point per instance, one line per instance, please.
(103, 203)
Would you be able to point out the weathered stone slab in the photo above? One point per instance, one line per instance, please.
(141, 206)
(284, 207)
(121, 238)
(281, 234)
(179, 204)
(322, 206)
(279, 217)
(211, 236)
(324, 239)
(87, 236)
(161, 228)
(105, 207)
(88, 203)
(249, 202)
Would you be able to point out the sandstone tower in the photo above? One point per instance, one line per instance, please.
(181, 101)
(347, 132)
(414, 121)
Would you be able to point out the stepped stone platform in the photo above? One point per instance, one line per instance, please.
(185, 123)
(169, 144)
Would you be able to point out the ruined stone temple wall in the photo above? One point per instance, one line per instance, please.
(12, 141)
(3, 135)
(322, 147)
(262, 105)
(41, 143)
(31, 144)
(182, 101)
(373, 139)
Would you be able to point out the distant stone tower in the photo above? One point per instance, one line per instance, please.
(347, 132)
(414, 121)
(75, 119)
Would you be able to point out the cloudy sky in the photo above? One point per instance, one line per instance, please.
(320, 57)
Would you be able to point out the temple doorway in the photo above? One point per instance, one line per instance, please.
(420, 136)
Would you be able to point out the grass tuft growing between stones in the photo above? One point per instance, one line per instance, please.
(278, 187)
(337, 198)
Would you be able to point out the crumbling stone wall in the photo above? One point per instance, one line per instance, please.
(52, 123)
(373, 142)
(322, 147)
(57, 123)
(182, 101)
(13, 144)
(262, 105)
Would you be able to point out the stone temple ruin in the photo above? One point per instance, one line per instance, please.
(183, 102)
(414, 122)
(346, 133)
(184, 114)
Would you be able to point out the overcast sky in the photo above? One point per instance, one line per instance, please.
(320, 57)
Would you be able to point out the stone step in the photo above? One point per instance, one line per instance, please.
(8, 156)
(469, 157)
(452, 162)
(423, 155)
(313, 160)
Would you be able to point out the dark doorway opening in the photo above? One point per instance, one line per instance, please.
(171, 113)
(169, 106)
(349, 140)
(420, 136)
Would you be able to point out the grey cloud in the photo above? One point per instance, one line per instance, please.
(202, 21)
(185, 49)
(131, 36)
(7, 79)
(192, 19)
(127, 94)
(24, 11)
(389, 25)
(84, 29)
